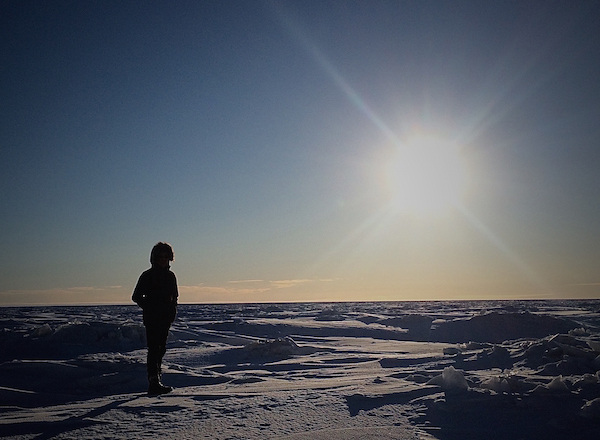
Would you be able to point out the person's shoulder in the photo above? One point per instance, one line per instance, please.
(146, 273)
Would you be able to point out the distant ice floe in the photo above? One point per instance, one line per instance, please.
(496, 327)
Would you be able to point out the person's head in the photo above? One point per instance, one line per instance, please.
(161, 254)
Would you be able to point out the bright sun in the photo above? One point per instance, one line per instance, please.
(426, 176)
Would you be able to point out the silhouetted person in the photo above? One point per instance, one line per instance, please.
(156, 293)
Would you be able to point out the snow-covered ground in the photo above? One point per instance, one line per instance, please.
(425, 370)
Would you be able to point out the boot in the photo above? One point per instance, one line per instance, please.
(155, 387)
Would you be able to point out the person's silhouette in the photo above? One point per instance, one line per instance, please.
(156, 293)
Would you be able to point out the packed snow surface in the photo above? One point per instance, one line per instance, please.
(418, 370)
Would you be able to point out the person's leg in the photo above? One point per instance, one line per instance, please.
(156, 335)
(162, 346)
(153, 339)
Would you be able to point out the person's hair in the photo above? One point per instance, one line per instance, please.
(159, 248)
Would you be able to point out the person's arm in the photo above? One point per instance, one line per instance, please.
(176, 290)
(139, 293)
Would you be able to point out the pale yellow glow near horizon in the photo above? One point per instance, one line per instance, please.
(427, 176)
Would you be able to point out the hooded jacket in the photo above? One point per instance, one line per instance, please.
(156, 293)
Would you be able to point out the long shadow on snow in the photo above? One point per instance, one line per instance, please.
(502, 417)
(50, 429)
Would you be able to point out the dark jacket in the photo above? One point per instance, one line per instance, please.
(156, 293)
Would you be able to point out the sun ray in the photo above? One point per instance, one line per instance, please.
(427, 176)
(523, 267)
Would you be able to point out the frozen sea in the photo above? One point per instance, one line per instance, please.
(369, 370)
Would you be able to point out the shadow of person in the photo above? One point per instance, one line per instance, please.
(52, 428)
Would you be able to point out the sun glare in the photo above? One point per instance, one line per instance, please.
(426, 176)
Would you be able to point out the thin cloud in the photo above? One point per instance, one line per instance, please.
(244, 281)
(584, 284)
(240, 290)
(282, 284)
(67, 295)
(212, 290)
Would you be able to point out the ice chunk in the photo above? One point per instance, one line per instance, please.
(575, 351)
(451, 351)
(477, 345)
(278, 347)
(40, 332)
(558, 384)
(497, 384)
(586, 380)
(591, 409)
(594, 345)
(578, 332)
(453, 380)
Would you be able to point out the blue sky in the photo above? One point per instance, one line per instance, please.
(257, 137)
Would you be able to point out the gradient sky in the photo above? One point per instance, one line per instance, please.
(260, 139)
